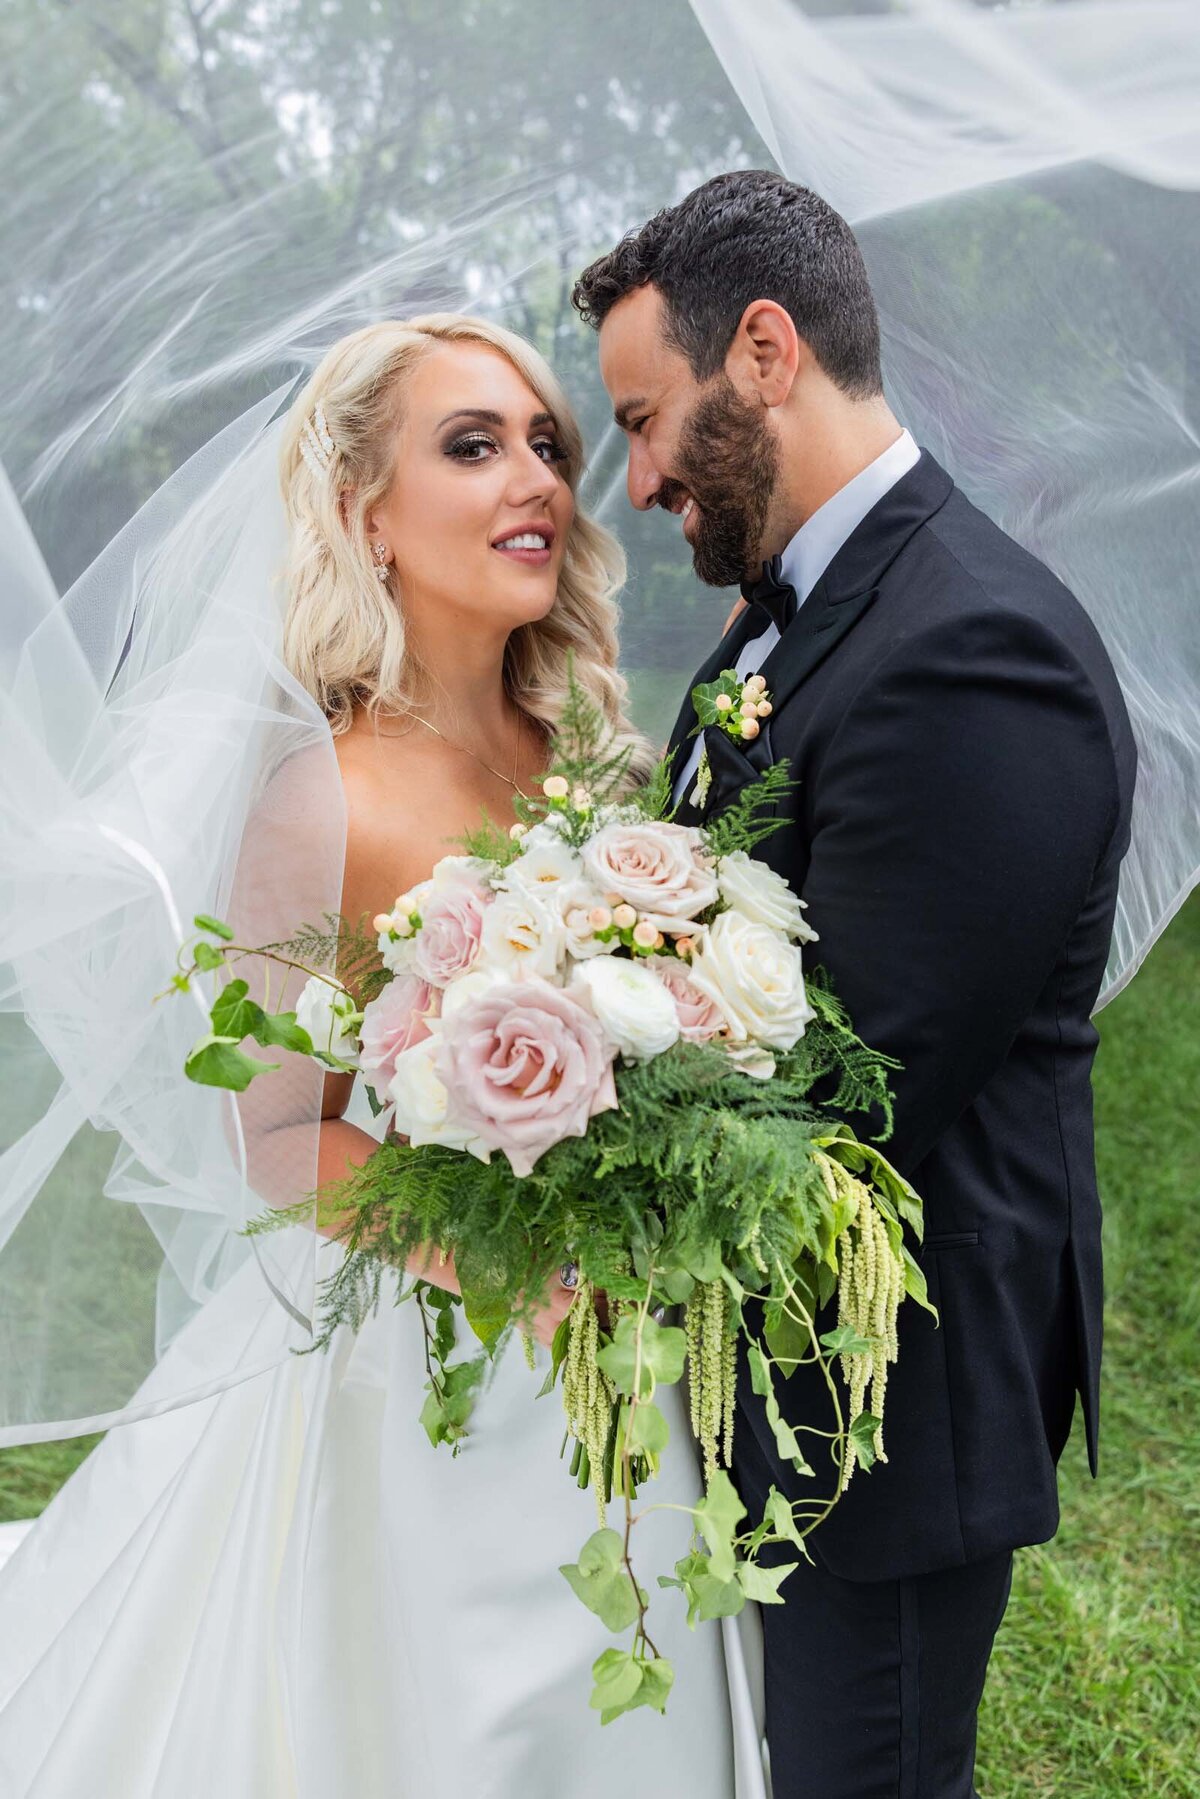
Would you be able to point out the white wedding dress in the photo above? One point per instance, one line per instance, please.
(284, 1592)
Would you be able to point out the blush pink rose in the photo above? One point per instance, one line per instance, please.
(451, 925)
(655, 867)
(700, 1017)
(525, 1066)
(392, 1023)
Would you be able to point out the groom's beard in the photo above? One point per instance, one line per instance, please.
(728, 462)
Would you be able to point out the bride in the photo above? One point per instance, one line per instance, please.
(281, 1589)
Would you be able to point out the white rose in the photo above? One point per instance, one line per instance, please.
(523, 934)
(423, 1112)
(636, 1010)
(326, 1011)
(758, 893)
(754, 975)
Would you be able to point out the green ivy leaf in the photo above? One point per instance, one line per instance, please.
(233, 1014)
(664, 1348)
(658, 1677)
(782, 1519)
(763, 1584)
(789, 1344)
(707, 1596)
(600, 1579)
(618, 1677)
(217, 1061)
(648, 1430)
(204, 921)
(760, 1373)
(718, 1516)
(845, 1340)
(279, 1030)
(864, 1434)
(207, 958)
(786, 1440)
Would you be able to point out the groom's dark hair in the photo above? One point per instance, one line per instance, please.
(749, 235)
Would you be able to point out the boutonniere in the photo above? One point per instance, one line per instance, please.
(736, 707)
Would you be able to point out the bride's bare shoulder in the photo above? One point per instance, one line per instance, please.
(395, 828)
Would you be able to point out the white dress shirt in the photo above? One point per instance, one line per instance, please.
(811, 551)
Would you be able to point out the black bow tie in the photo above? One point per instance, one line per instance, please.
(776, 597)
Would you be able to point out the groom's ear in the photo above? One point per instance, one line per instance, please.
(766, 353)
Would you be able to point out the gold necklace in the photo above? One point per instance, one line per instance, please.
(510, 780)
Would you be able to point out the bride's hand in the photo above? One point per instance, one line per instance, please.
(544, 1319)
(556, 1301)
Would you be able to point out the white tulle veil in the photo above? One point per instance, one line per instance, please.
(200, 198)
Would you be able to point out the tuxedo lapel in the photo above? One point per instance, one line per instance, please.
(843, 595)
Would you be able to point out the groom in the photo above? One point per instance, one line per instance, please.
(964, 770)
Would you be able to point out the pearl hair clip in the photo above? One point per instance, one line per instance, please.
(316, 443)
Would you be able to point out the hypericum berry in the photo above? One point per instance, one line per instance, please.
(750, 727)
(723, 703)
(756, 686)
(600, 918)
(646, 936)
(749, 708)
(556, 787)
(624, 917)
(381, 922)
(517, 829)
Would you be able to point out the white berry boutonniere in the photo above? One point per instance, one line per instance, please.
(737, 707)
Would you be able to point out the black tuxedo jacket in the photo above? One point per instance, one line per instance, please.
(965, 770)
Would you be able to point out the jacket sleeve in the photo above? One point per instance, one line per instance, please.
(959, 813)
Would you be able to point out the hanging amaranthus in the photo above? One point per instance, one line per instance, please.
(588, 1394)
(870, 1288)
(712, 1370)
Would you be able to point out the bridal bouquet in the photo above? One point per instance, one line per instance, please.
(601, 1057)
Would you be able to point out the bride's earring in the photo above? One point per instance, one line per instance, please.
(379, 551)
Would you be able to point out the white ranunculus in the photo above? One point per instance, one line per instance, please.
(523, 934)
(754, 974)
(547, 865)
(634, 1007)
(423, 1112)
(329, 1015)
(758, 893)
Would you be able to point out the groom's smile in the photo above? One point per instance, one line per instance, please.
(697, 448)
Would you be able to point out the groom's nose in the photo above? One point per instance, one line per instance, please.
(643, 479)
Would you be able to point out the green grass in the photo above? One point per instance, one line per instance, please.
(1094, 1690)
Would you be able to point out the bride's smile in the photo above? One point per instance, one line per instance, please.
(478, 514)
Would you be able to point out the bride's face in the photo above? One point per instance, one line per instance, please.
(479, 508)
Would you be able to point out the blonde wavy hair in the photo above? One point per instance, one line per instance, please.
(344, 635)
